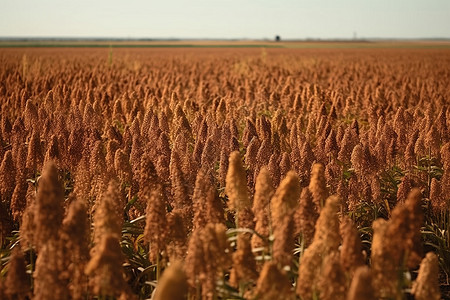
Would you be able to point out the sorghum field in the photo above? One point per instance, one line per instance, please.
(224, 173)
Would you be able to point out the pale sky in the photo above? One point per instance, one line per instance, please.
(253, 19)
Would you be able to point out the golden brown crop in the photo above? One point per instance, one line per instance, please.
(224, 173)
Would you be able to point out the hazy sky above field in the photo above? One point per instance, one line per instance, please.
(255, 19)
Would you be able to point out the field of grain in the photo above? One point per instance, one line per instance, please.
(224, 173)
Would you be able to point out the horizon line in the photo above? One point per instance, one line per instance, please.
(265, 39)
